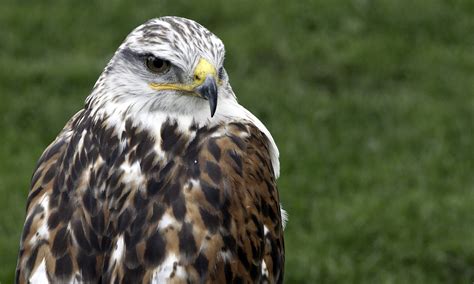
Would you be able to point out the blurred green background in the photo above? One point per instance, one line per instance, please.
(370, 102)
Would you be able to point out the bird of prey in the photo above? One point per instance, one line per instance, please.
(162, 177)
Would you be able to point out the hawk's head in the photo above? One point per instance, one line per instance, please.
(169, 64)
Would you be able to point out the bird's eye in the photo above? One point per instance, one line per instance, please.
(221, 73)
(157, 65)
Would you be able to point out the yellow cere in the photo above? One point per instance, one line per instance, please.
(202, 70)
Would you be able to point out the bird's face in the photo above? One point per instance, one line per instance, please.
(168, 64)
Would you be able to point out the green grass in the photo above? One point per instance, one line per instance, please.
(370, 102)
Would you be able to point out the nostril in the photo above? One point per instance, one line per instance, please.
(196, 77)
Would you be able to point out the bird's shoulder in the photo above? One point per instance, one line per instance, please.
(36, 231)
(231, 202)
(50, 160)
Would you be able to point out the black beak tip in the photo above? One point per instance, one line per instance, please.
(208, 90)
(213, 106)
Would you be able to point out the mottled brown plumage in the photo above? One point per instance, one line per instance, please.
(120, 202)
(233, 197)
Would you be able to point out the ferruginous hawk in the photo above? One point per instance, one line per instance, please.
(162, 177)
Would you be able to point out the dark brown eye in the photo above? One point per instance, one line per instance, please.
(157, 65)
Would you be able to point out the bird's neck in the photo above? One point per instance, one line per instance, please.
(118, 113)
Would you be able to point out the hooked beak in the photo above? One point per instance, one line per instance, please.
(208, 91)
(204, 84)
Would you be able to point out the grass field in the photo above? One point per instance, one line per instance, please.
(370, 102)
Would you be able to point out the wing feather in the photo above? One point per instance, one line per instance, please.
(107, 205)
(37, 238)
